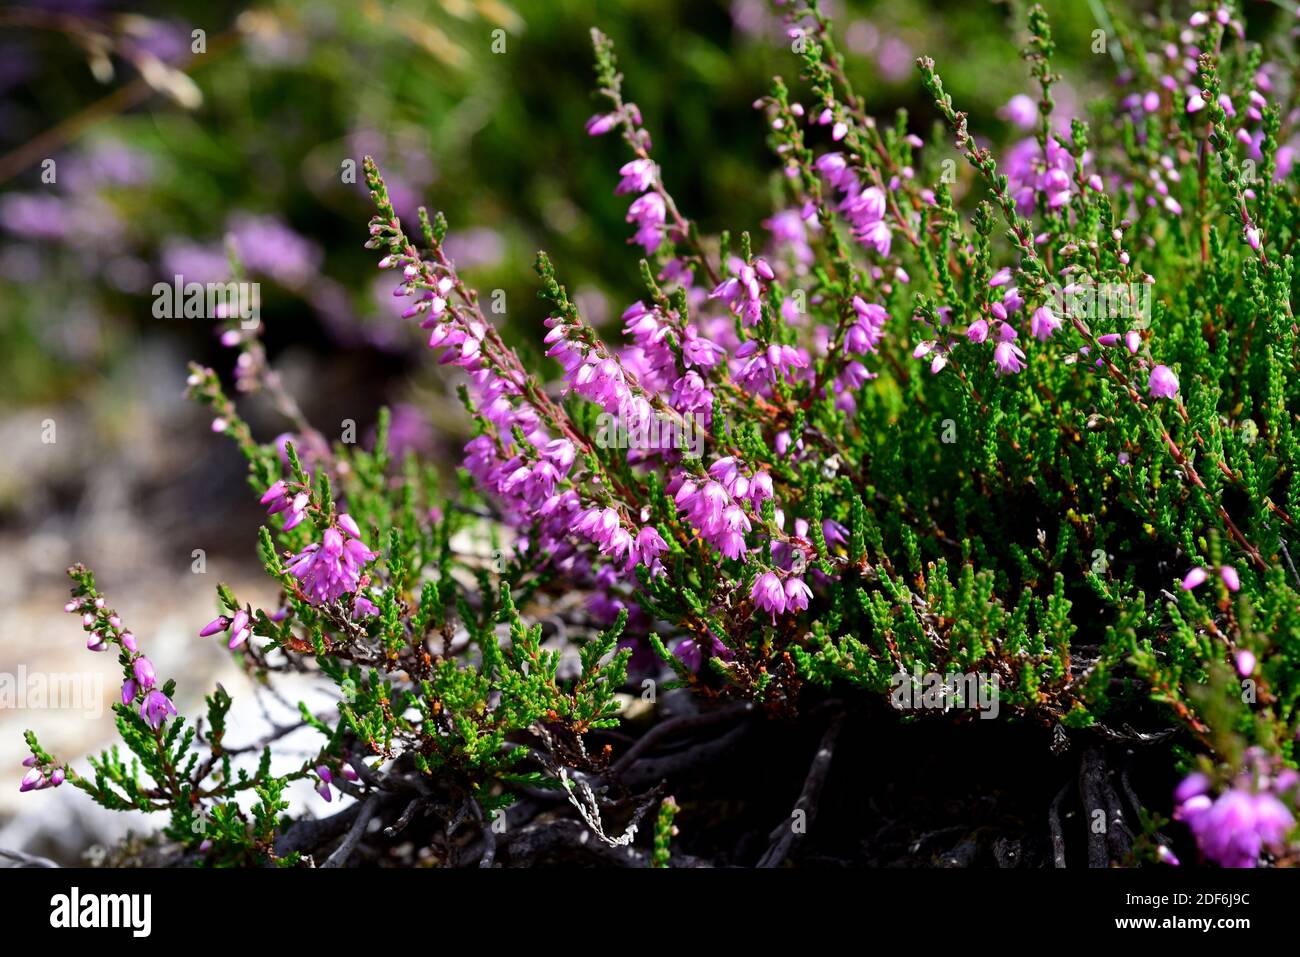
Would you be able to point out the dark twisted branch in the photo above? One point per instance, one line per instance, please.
(785, 837)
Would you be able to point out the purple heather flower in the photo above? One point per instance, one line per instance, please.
(649, 213)
(742, 293)
(129, 690)
(863, 209)
(797, 594)
(278, 499)
(649, 545)
(363, 607)
(240, 631)
(145, 675)
(865, 334)
(331, 569)
(1020, 110)
(1043, 323)
(349, 525)
(1230, 577)
(57, 777)
(1234, 829)
(1163, 384)
(1191, 786)
(1008, 357)
(834, 167)
(769, 595)
(834, 533)
(33, 780)
(1031, 173)
(1194, 578)
(1245, 663)
(325, 778)
(156, 708)
(638, 176)
(601, 124)
(691, 653)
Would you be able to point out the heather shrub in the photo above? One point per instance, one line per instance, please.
(971, 432)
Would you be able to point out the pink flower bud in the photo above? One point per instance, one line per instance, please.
(1163, 384)
(600, 124)
(144, 673)
(220, 623)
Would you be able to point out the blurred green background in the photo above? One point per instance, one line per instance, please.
(153, 174)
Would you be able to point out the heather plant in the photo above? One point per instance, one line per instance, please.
(1020, 416)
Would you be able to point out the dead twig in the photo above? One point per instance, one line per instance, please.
(1054, 823)
(355, 833)
(786, 836)
(674, 726)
